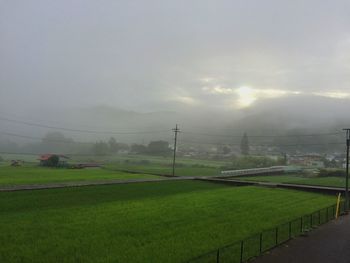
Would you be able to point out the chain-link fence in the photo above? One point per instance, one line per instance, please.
(255, 245)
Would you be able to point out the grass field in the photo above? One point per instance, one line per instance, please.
(321, 181)
(118, 158)
(161, 165)
(30, 174)
(150, 222)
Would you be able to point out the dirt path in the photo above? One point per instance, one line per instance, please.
(84, 183)
(329, 243)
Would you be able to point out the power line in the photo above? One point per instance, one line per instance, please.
(50, 140)
(182, 141)
(94, 155)
(42, 139)
(79, 130)
(265, 136)
(160, 131)
(262, 145)
(85, 154)
(68, 154)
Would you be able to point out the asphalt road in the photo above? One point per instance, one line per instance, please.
(330, 243)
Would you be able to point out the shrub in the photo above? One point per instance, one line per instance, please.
(53, 161)
(332, 173)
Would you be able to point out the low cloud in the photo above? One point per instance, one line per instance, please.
(165, 54)
(333, 95)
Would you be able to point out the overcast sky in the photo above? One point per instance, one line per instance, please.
(156, 55)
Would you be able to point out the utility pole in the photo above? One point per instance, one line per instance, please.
(176, 131)
(347, 169)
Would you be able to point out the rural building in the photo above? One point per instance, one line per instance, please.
(309, 160)
(44, 159)
(16, 162)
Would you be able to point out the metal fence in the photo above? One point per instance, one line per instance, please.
(255, 245)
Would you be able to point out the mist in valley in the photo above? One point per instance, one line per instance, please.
(73, 74)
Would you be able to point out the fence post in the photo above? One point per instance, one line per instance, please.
(301, 225)
(260, 248)
(290, 229)
(303, 222)
(319, 217)
(241, 251)
(310, 221)
(276, 236)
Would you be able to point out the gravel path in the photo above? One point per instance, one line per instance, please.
(329, 243)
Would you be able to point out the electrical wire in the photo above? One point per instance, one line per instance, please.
(265, 136)
(80, 130)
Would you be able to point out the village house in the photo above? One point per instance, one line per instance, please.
(309, 160)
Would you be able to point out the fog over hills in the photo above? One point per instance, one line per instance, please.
(135, 70)
(278, 116)
(297, 112)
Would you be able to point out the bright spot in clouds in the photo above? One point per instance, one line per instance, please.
(246, 96)
(217, 89)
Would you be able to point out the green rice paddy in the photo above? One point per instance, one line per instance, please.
(149, 222)
(25, 175)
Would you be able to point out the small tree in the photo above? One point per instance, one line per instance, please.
(226, 150)
(138, 148)
(53, 161)
(100, 148)
(113, 145)
(158, 147)
(245, 144)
